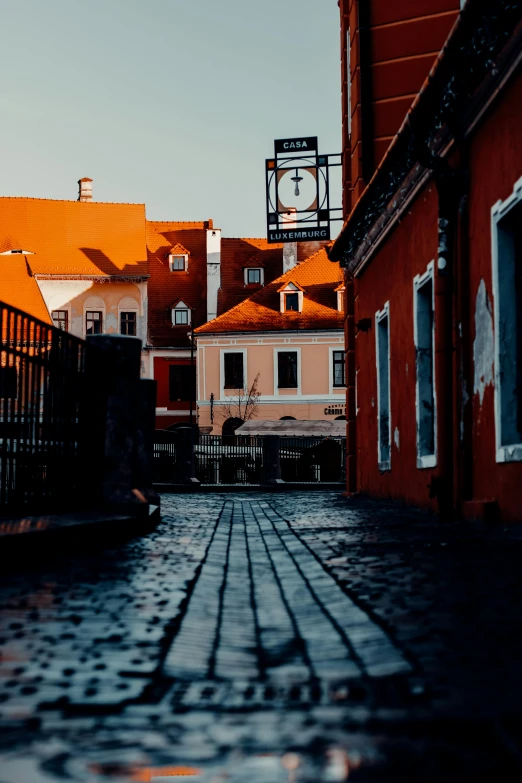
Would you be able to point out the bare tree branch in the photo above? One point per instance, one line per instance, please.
(244, 404)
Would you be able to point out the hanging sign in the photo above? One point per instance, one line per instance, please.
(298, 207)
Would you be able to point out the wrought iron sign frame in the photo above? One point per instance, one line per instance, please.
(284, 222)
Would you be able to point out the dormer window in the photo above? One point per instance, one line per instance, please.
(292, 302)
(181, 314)
(291, 298)
(178, 263)
(254, 276)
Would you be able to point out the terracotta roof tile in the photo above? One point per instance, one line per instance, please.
(18, 287)
(76, 238)
(260, 312)
(165, 288)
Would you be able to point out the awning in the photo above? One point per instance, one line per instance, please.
(315, 428)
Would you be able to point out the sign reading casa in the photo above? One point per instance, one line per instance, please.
(305, 144)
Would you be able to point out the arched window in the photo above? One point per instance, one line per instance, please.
(287, 418)
(340, 418)
(128, 309)
(94, 315)
(230, 426)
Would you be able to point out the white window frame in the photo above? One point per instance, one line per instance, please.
(94, 304)
(291, 288)
(181, 306)
(222, 353)
(257, 269)
(426, 460)
(287, 349)
(340, 294)
(510, 452)
(331, 351)
(64, 309)
(381, 315)
(128, 304)
(184, 256)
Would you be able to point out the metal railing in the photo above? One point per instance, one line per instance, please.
(313, 460)
(229, 459)
(41, 373)
(241, 459)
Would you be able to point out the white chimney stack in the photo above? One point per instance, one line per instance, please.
(85, 185)
(213, 269)
(289, 248)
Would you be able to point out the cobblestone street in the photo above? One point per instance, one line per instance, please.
(294, 636)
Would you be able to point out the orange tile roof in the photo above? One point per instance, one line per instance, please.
(166, 287)
(238, 253)
(260, 312)
(18, 287)
(73, 238)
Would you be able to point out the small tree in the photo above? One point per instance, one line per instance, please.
(244, 404)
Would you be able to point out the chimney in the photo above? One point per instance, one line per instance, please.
(85, 185)
(289, 248)
(213, 269)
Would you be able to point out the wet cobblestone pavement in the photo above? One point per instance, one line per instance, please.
(296, 636)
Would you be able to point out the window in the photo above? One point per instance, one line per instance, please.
(233, 364)
(178, 263)
(382, 338)
(181, 315)
(128, 323)
(292, 302)
(338, 368)
(424, 334)
(93, 322)
(507, 281)
(61, 319)
(253, 276)
(287, 369)
(182, 383)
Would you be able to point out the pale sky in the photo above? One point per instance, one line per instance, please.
(174, 103)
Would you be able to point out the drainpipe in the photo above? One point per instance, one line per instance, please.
(351, 434)
(444, 486)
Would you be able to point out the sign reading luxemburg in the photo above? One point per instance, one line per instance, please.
(304, 144)
(299, 234)
(297, 180)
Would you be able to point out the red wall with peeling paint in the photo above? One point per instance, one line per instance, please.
(494, 170)
(389, 277)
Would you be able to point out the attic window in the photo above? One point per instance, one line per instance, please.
(253, 276)
(291, 299)
(292, 302)
(178, 263)
(17, 251)
(181, 315)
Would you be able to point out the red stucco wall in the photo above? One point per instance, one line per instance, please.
(494, 167)
(389, 277)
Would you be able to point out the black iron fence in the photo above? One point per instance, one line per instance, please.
(41, 371)
(243, 460)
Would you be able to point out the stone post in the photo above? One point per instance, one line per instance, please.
(123, 413)
(187, 459)
(271, 460)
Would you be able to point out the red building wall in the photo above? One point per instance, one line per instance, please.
(397, 42)
(494, 169)
(389, 277)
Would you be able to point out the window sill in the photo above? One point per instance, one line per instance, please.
(288, 388)
(510, 453)
(430, 461)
